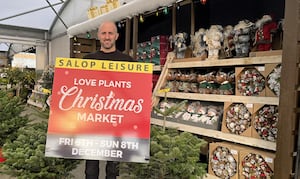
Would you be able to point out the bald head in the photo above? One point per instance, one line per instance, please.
(108, 34)
(108, 24)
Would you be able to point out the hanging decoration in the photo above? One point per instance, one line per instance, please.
(88, 35)
(178, 6)
(75, 38)
(166, 10)
(141, 18)
(119, 25)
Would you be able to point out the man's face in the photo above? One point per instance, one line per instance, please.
(108, 35)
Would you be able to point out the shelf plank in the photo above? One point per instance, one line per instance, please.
(196, 62)
(219, 135)
(157, 68)
(222, 98)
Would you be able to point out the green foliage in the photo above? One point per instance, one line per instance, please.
(11, 119)
(25, 156)
(14, 75)
(21, 79)
(173, 155)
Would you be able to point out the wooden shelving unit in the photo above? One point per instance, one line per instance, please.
(222, 98)
(196, 63)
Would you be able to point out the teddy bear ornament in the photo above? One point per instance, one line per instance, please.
(213, 39)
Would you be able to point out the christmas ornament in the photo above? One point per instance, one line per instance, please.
(273, 80)
(250, 82)
(265, 122)
(255, 166)
(266, 27)
(223, 163)
(238, 118)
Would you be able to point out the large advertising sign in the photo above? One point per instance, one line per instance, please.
(100, 110)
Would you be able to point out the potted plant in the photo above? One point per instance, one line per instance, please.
(21, 81)
(25, 156)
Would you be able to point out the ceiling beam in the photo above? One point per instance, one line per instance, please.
(15, 31)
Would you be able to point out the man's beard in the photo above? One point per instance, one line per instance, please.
(107, 45)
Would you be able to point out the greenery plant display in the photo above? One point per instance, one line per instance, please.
(21, 80)
(11, 119)
(25, 156)
(173, 155)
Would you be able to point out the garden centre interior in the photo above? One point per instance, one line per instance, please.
(179, 38)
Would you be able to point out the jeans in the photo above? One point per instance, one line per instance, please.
(92, 169)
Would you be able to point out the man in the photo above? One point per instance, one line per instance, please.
(107, 35)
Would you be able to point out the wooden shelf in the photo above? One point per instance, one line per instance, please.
(157, 68)
(257, 60)
(218, 135)
(222, 98)
(195, 62)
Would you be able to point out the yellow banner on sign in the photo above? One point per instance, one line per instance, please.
(104, 65)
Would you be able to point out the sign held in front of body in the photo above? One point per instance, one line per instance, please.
(100, 110)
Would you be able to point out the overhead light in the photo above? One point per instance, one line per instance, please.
(203, 2)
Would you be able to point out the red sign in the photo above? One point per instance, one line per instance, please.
(100, 110)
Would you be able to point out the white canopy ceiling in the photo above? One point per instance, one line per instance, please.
(37, 14)
(24, 22)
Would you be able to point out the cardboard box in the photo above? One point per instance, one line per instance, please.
(269, 132)
(193, 119)
(226, 124)
(273, 69)
(244, 88)
(255, 159)
(229, 161)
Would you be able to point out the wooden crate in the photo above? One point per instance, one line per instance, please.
(80, 47)
(269, 69)
(234, 153)
(227, 105)
(240, 70)
(256, 109)
(266, 159)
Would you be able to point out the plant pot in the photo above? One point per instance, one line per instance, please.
(2, 159)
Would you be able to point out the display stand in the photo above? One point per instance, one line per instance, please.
(195, 63)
